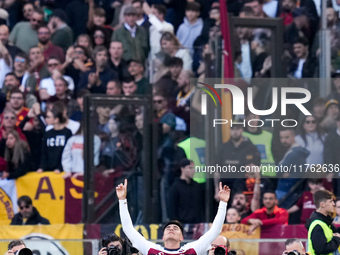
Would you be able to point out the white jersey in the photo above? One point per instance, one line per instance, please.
(149, 248)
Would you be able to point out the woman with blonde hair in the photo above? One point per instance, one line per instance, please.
(17, 155)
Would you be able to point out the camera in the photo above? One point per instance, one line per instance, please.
(293, 253)
(24, 251)
(219, 251)
(113, 250)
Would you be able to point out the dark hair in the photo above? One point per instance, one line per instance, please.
(83, 93)
(321, 196)
(174, 61)
(86, 52)
(22, 54)
(303, 131)
(44, 26)
(111, 238)
(12, 74)
(174, 222)
(160, 8)
(117, 83)
(14, 243)
(287, 128)
(185, 162)
(54, 57)
(301, 40)
(98, 11)
(193, 6)
(314, 180)
(16, 91)
(24, 199)
(58, 109)
(98, 49)
(39, 11)
(63, 80)
(270, 192)
(128, 79)
(248, 11)
(138, 1)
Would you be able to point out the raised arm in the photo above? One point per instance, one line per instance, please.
(202, 244)
(136, 238)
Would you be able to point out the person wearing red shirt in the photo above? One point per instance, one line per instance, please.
(269, 215)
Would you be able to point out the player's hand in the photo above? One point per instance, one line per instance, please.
(121, 190)
(224, 193)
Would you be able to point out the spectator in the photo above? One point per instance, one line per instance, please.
(17, 104)
(116, 61)
(73, 154)
(261, 138)
(20, 69)
(192, 26)
(269, 215)
(244, 35)
(221, 242)
(233, 216)
(318, 108)
(323, 237)
(77, 62)
(256, 5)
(78, 115)
(129, 86)
(240, 204)
(8, 124)
(119, 153)
(188, 208)
(11, 83)
(332, 143)
(24, 34)
(38, 68)
(54, 142)
(48, 48)
(47, 85)
(27, 11)
(168, 81)
(97, 20)
(304, 63)
(287, 7)
(136, 70)
(312, 138)
(5, 62)
(337, 212)
(85, 41)
(98, 76)
(4, 34)
(14, 246)
(238, 150)
(133, 37)
(72, 125)
(62, 94)
(113, 88)
(305, 203)
(294, 245)
(62, 34)
(100, 37)
(171, 46)
(28, 214)
(112, 240)
(142, 18)
(17, 155)
(34, 133)
(158, 26)
(295, 156)
(335, 94)
(331, 113)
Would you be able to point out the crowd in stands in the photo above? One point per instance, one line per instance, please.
(55, 53)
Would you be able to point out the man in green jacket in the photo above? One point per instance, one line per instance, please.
(133, 37)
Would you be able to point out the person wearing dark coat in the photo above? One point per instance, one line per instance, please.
(28, 214)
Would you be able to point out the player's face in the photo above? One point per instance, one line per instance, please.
(172, 232)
